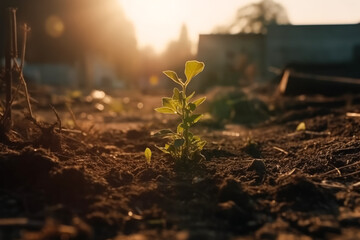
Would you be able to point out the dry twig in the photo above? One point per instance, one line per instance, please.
(281, 150)
(21, 78)
(57, 116)
(340, 168)
(73, 117)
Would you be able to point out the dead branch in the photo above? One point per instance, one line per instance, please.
(281, 150)
(311, 133)
(21, 77)
(73, 117)
(23, 94)
(7, 111)
(57, 116)
(351, 174)
(339, 168)
(26, 29)
(352, 114)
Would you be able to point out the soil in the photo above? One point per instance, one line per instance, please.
(266, 181)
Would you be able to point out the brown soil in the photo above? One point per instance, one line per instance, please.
(263, 182)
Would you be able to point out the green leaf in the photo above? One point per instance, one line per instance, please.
(180, 128)
(176, 94)
(182, 95)
(190, 135)
(194, 118)
(168, 102)
(199, 101)
(176, 103)
(173, 76)
(171, 149)
(201, 145)
(163, 132)
(192, 106)
(193, 68)
(179, 142)
(165, 110)
(148, 155)
(190, 96)
(196, 139)
(163, 149)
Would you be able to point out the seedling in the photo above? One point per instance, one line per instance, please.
(301, 127)
(147, 154)
(182, 144)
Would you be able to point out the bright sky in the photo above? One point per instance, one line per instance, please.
(157, 22)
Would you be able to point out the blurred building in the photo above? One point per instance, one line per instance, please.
(232, 59)
(244, 58)
(312, 44)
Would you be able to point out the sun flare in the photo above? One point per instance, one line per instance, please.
(155, 21)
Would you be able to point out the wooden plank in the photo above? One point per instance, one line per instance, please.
(295, 83)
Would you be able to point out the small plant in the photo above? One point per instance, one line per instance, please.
(183, 145)
(147, 154)
(301, 127)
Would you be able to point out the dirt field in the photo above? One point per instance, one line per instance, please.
(267, 181)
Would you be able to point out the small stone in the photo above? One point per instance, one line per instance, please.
(258, 166)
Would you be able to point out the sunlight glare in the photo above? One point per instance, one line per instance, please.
(155, 21)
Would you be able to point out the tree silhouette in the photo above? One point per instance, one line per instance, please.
(255, 17)
(178, 51)
(102, 28)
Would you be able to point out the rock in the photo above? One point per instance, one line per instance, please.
(258, 166)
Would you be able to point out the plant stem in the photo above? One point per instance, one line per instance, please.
(185, 126)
